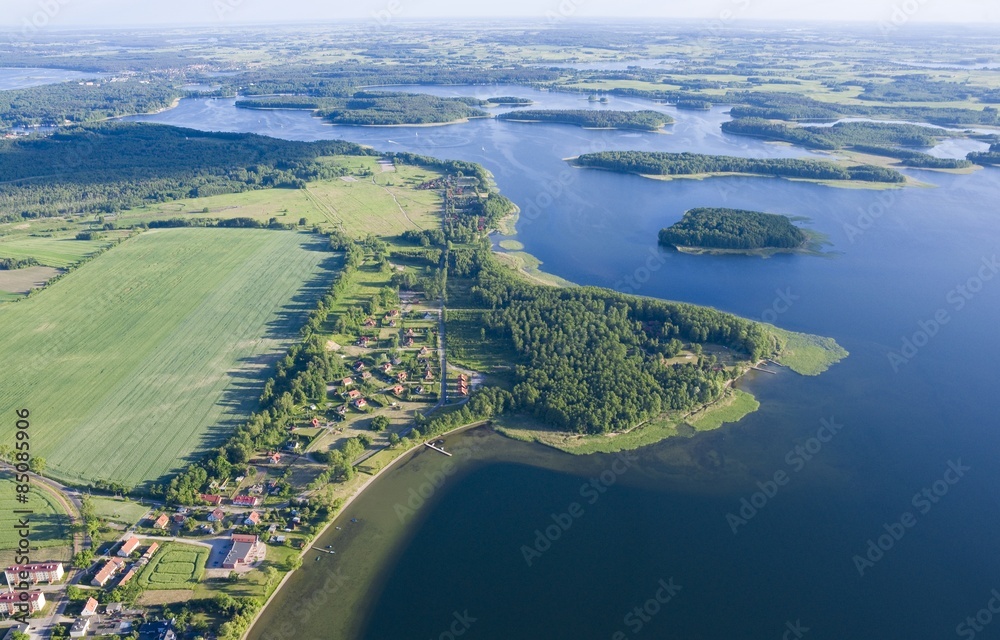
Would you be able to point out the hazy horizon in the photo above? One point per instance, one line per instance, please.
(69, 14)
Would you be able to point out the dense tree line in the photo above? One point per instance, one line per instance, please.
(401, 108)
(838, 136)
(602, 119)
(916, 159)
(343, 79)
(732, 229)
(662, 163)
(76, 102)
(793, 106)
(510, 101)
(108, 167)
(918, 88)
(9, 264)
(692, 104)
(985, 158)
(593, 361)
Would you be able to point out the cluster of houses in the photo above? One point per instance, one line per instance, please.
(463, 384)
(114, 566)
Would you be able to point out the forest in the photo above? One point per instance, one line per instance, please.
(662, 163)
(374, 108)
(792, 106)
(591, 360)
(73, 102)
(108, 167)
(910, 158)
(598, 119)
(510, 101)
(838, 136)
(713, 228)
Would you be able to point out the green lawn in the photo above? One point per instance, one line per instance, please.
(123, 511)
(145, 356)
(175, 566)
(50, 526)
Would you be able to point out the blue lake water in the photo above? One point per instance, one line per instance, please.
(23, 78)
(896, 260)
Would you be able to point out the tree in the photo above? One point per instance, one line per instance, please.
(83, 560)
(37, 465)
(380, 423)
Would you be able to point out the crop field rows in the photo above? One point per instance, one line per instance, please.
(145, 356)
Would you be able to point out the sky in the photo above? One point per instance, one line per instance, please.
(111, 13)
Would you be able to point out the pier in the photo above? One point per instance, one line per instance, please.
(440, 450)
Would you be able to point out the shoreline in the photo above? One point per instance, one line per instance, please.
(340, 510)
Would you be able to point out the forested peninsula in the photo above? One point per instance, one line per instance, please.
(875, 138)
(691, 164)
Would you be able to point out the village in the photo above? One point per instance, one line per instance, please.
(255, 527)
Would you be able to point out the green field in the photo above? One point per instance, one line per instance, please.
(175, 566)
(122, 511)
(50, 526)
(50, 252)
(143, 357)
(384, 203)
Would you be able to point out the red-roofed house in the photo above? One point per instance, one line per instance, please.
(211, 499)
(360, 403)
(246, 501)
(217, 515)
(129, 546)
(110, 568)
(353, 394)
(252, 519)
(161, 522)
(402, 376)
(90, 608)
(150, 550)
(346, 382)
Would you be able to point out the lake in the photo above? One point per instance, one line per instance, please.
(23, 78)
(915, 265)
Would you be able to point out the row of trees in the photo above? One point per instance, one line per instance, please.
(302, 374)
(793, 106)
(603, 119)
(838, 136)
(733, 229)
(9, 264)
(662, 163)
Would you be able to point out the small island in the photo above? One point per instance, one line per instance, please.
(378, 108)
(509, 101)
(595, 119)
(663, 165)
(715, 230)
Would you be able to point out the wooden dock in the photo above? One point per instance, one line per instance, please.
(773, 373)
(438, 449)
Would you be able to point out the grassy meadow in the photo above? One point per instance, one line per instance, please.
(142, 358)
